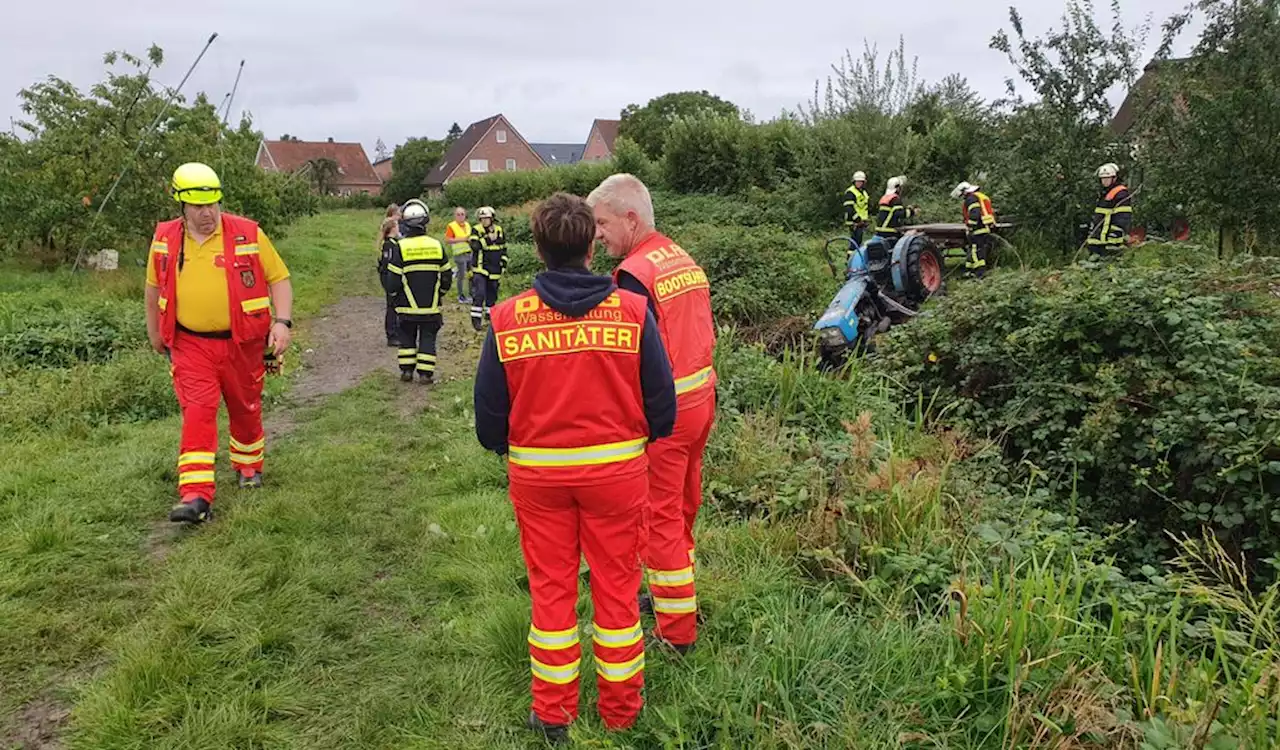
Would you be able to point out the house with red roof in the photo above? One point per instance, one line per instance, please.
(600, 140)
(355, 174)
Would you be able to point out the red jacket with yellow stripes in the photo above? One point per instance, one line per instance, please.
(246, 278)
(678, 287)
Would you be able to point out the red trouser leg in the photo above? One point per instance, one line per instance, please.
(671, 461)
(548, 521)
(612, 518)
(242, 374)
(195, 363)
(705, 415)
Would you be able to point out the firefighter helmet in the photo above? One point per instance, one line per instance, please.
(415, 213)
(859, 176)
(896, 183)
(197, 184)
(1108, 170)
(485, 212)
(964, 188)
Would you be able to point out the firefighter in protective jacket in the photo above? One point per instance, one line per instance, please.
(212, 281)
(488, 262)
(572, 385)
(1113, 215)
(979, 220)
(419, 275)
(857, 209)
(893, 213)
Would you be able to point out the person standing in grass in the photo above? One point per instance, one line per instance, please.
(679, 296)
(212, 280)
(457, 237)
(573, 383)
(390, 228)
(418, 277)
(488, 261)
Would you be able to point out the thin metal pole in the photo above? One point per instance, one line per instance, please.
(138, 149)
(232, 95)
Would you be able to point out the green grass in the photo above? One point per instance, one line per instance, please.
(368, 596)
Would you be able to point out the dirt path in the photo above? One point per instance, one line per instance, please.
(346, 344)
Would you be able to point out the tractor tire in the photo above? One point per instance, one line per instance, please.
(924, 270)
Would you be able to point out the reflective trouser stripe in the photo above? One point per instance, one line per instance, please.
(590, 455)
(620, 671)
(426, 362)
(682, 606)
(619, 638)
(240, 447)
(555, 675)
(408, 356)
(553, 640)
(198, 458)
(683, 577)
(693, 382)
(195, 477)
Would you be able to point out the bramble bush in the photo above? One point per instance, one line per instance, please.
(1149, 395)
(515, 188)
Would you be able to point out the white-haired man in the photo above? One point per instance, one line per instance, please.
(680, 298)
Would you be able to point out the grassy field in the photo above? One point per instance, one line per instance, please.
(369, 596)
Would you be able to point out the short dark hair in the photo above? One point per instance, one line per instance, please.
(563, 228)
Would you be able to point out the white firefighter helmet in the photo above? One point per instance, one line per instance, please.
(859, 176)
(1108, 170)
(485, 212)
(415, 213)
(896, 183)
(963, 188)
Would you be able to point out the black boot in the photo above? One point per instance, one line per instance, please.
(250, 481)
(426, 378)
(406, 376)
(556, 734)
(193, 510)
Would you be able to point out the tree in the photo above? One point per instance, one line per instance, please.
(77, 144)
(410, 164)
(1051, 146)
(323, 172)
(1208, 139)
(951, 119)
(455, 132)
(380, 150)
(648, 125)
(862, 86)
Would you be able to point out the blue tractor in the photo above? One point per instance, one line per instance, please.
(885, 284)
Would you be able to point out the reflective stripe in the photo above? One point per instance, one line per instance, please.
(671, 577)
(195, 457)
(160, 247)
(590, 455)
(255, 304)
(247, 249)
(620, 671)
(163, 303)
(246, 458)
(693, 382)
(687, 605)
(620, 638)
(553, 640)
(256, 445)
(555, 675)
(395, 269)
(196, 477)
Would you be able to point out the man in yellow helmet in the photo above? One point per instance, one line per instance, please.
(212, 281)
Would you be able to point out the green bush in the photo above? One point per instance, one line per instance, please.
(517, 188)
(61, 331)
(1149, 395)
(758, 275)
(714, 154)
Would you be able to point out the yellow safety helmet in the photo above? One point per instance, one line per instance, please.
(197, 184)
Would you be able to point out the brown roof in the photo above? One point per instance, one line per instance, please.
(459, 150)
(353, 164)
(1138, 99)
(608, 131)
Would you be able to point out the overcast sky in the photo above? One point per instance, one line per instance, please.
(391, 69)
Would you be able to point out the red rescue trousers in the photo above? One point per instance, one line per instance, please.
(675, 494)
(206, 371)
(606, 523)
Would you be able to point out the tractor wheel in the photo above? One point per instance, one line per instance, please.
(924, 270)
